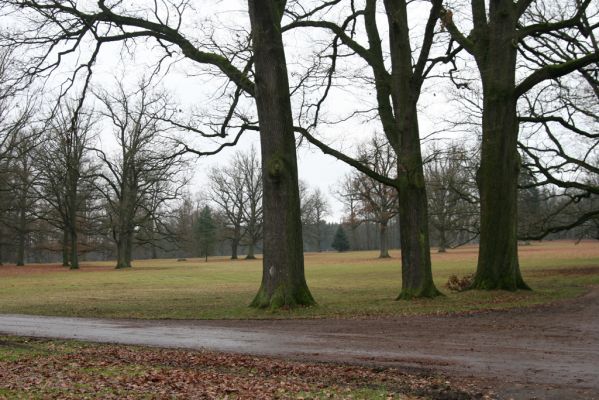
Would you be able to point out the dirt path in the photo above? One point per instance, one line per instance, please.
(549, 352)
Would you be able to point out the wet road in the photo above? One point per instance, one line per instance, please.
(548, 352)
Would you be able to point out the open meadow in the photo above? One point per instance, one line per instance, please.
(352, 284)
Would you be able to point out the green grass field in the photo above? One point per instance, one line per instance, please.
(353, 284)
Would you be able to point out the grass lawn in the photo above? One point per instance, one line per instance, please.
(57, 369)
(352, 284)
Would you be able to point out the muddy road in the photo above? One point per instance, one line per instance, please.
(548, 352)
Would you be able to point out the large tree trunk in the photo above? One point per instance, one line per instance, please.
(442, 240)
(283, 280)
(498, 266)
(417, 277)
(384, 242)
(251, 250)
(124, 248)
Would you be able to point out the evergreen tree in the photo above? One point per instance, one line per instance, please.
(340, 242)
(205, 232)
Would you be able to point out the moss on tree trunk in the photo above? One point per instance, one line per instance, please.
(283, 281)
(498, 266)
(417, 277)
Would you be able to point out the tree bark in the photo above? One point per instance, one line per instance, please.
(74, 250)
(498, 266)
(417, 277)
(65, 247)
(124, 248)
(283, 280)
(384, 242)
(442, 239)
(21, 236)
(234, 246)
(251, 255)
(72, 227)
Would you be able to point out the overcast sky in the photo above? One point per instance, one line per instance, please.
(196, 89)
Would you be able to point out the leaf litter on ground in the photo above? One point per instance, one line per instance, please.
(58, 369)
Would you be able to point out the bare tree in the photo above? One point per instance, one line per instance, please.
(539, 41)
(452, 196)
(144, 175)
(15, 118)
(72, 24)
(236, 190)
(227, 191)
(346, 193)
(314, 208)
(65, 175)
(396, 93)
(22, 180)
(248, 165)
(376, 201)
(283, 278)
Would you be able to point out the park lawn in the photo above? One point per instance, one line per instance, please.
(59, 369)
(345, 285)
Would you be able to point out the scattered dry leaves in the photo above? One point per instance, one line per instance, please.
(71, 370)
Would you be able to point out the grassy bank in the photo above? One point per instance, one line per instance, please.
(344, 284)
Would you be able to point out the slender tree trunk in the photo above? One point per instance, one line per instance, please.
(497, 177)
(417, 277)
(318, 236)
(74, 250)
(21, 236)
(234, 246)
(283, 279)
(73, 234)
(65, 247)
(384, 242)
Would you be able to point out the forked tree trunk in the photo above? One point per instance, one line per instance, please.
(384, 239)
(498, 266)
(417, 277)
(283, 281)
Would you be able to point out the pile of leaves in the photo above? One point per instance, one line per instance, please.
(458, 284)
(35, 368)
